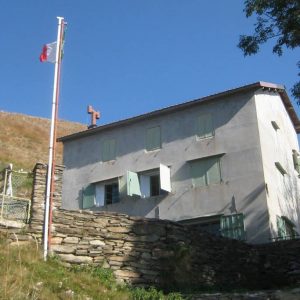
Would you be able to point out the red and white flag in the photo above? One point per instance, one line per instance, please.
(49, 53)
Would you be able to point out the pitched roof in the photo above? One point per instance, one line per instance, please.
(251, 87)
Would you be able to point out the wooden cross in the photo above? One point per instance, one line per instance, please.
(95, 115)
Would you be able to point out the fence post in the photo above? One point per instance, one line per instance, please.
(4, 192)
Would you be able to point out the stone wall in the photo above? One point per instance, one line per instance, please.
(38, 197)
(157, 252)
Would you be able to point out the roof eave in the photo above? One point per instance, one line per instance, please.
(254, 86)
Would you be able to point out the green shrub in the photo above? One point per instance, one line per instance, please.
(153, 294)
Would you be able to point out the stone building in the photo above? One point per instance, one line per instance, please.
(227, 163)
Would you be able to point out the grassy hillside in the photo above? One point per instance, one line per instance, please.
(24, 140)
(24, 275)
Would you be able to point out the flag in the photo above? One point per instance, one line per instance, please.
(49, 53)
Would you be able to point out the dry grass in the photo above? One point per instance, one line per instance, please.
(24, 275)
(24, 140)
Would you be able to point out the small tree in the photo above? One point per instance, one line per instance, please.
(276, 19)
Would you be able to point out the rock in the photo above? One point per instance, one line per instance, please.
(56, 240)
(147, 229)
(71, 240)
(97, 243)
(20, 243)
(76, 259)
(63, 249)
(118, 229)
(142, 238)
(126, 274)
(81, 252)
(146, 255)
(12, 224)
(105, 264)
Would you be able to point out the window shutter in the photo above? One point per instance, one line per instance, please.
(133, 185)
(165, 178)
(153, 140)
(213, 170)
(232, 226)
(206, 171)
(88, 196)
(205, 126)
(281, 228)
(198, 170)
(109, 150)
(123, 186)
(296, 160)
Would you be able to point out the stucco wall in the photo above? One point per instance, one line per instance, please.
(236, 136)
(276, 146)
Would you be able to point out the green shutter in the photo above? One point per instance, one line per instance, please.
(213, 170)
(281, 228)
(198, 172)
(109, 150)
(298, 164)
(296, 160)
(206, 171)
(232, 226)
(133, 185)
(88, 196)
(205, 126)
(153, 140)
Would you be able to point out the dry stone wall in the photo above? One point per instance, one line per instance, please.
(145, 251)
(157, 252)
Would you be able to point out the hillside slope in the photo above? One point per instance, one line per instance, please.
(24, 140)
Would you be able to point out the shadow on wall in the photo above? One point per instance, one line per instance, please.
(290, 206)
(188, 259)
(256, 213)
(133, 206)
(87, 150)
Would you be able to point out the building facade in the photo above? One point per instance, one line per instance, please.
(227, 163)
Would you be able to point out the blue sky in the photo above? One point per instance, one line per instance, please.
(129, 57)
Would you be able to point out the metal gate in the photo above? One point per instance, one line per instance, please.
(15, 194)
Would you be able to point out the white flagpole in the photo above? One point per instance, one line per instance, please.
(52, 130)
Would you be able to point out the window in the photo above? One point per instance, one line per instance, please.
(109, 150)
(296, 160)
(205, 126)
(206, 171)
(275, 125)
(100, 194)
(285, 228)
(232, 226)
(149, 183)
(280, 168)
(107, 192)
(209, 224)
(154, 185)
(111, 193)
(153, 139)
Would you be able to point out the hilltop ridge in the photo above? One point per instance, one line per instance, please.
(24, 139)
